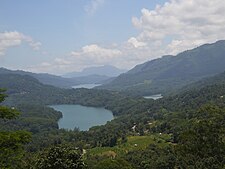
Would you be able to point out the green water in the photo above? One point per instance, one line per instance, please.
(82, 117)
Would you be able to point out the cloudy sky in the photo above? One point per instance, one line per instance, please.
(59, 36)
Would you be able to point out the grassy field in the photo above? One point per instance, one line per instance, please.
(133, 143)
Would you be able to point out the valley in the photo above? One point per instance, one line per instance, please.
(120, 127)
(169, 73)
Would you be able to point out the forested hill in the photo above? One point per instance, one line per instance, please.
(191, 97)
(218, 79)
(45, 78)
(172, 72)
(28, 89)
(165, 133)
(23, 89)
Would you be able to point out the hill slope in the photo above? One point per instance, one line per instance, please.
(45, 78)
(24, 89)
(172, 72)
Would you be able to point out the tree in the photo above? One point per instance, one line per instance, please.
(154, 157)
(202, 146)
(11, 142)
(62, 157)
(113, 164)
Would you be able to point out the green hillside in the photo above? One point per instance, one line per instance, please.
(25, 89)
(165, 129)
(169, 73)
(45, 78)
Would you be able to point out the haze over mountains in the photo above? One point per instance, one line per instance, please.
(171, 72)
(106, 70)
(161, 75)
(69, 103)
(98, 75)
(159, 124)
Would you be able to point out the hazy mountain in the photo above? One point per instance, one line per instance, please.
(106, 70)
(171, 72)
(96, 79)
(45, 78)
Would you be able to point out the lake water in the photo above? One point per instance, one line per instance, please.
(82, 117)
(87, 86)
(155, 97)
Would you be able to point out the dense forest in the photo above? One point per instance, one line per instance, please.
(112, 84)
(181, 130)
(167, 73)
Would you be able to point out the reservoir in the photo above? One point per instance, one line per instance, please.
(155, 97)
(82, 117)
(87, 86)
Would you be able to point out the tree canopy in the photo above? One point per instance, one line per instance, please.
(11, 142)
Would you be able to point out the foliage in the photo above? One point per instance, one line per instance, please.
(130, 151)
(173, 122)
(11, 143)
(63, 157)
(113, 164)
(169, 73)
(7, 113)
(202, 146)
(11, 148)
(153, 156)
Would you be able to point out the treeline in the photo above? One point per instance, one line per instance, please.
(194, 118)
(33, 118)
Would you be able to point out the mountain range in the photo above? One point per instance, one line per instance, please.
(45, 78)
(163, 75)
(170, 72)
(106, 70)
(92, 75)
(143, 128)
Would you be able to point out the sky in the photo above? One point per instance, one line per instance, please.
(60, 36)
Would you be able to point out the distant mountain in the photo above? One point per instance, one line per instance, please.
(45, 78)
(106, 70)
(172, 72)
(89, 79)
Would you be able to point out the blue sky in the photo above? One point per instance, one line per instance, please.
(59, 36)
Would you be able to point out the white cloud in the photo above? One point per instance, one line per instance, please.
(90, 55)
(133, 41)
(182, 24)
(11, 39)
(168, 29)
(93, 6)
(95, 55)
(57, 66)
(35, 45)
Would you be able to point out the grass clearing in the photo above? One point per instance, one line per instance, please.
(133, 143)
